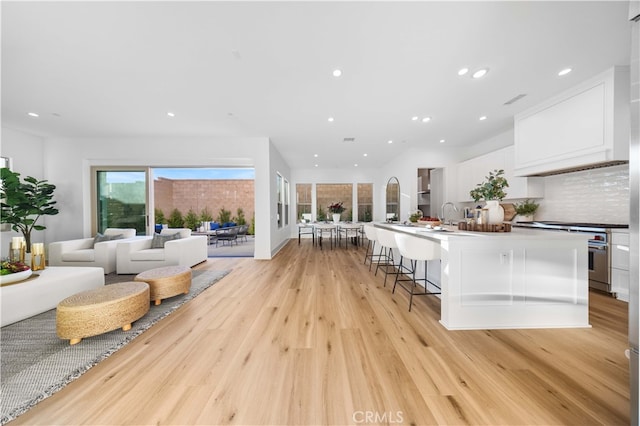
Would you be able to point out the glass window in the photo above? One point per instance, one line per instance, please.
(286, 202)
(279, 198)
(121, 200)
(331, 193)
(303, 200)
(365, 202)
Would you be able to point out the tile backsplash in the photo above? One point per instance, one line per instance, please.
(598, 195)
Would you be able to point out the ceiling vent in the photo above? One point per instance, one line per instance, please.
(349, 140)
(515, 99)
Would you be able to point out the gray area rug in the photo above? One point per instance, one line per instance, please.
(35, 363)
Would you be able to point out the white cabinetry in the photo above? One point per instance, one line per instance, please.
(474, 171)
(584, 126)
(620, 263)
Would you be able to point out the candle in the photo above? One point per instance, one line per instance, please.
(37, 248)
(17, 242)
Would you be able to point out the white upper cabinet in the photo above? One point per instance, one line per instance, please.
(474, 171)
(585, 126)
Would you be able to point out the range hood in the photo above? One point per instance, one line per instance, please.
(581, 168)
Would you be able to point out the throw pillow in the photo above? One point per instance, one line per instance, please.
(100, 238)
(158, 240)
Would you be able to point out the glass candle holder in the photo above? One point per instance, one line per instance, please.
(37, 257)
(17, 250)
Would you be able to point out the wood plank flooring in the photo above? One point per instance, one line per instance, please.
(312, 337)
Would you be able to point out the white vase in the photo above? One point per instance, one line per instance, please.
(336, 218)
(523, 218)
(496, 212)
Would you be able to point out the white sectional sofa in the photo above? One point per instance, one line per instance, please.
(138, 255)
(83, 251)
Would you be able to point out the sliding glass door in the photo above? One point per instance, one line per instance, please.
(121, 199)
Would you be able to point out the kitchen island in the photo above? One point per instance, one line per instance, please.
(519, 279)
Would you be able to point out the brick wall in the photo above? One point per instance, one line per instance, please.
(185, 194)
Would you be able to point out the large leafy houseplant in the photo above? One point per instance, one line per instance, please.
(492, 188)
(24, 202)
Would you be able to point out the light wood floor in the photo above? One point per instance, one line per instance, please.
(312, 337)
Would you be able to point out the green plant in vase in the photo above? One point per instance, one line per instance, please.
(492, 190)
(24, 202)
(526, 209)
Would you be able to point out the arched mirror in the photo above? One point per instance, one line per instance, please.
(393, 200)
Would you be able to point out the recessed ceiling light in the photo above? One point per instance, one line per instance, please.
(564, 72)
(414, 118)
(316, 165)
(480, 73)
(315, 155)
(330, 119)
(33, 114)
(441, 140)
(389, 141)
(337, 73)
(463, 71)
(484, 117)
(355, 165)
(426, 119)
(365, 154)
(171, 114)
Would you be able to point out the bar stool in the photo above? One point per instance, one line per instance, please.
(372, 238)
(387, 242)
(416, 249)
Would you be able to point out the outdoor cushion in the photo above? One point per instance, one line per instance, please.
(214, 226)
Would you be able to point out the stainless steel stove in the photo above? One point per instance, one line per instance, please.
(599, 247)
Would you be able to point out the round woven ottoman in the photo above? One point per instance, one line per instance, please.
(166, 282)
(103, 309)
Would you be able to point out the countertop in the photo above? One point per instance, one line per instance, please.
(452, 232)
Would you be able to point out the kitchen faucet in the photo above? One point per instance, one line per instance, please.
(455, 209)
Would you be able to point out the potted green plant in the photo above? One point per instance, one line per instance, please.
(526, 210)
(24, 202)
(492, 191)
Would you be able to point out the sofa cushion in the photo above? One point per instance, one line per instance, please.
(148, 254)
(86, 255)
(159, 240)
(184, 232)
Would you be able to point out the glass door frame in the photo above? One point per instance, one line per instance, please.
(148, 193)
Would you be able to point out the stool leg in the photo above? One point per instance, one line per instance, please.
(126, 327)
(157, 302)
(74, 341)
(413, 284)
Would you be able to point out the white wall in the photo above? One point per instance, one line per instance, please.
(279, 236)
(67, 162)
(26, 154)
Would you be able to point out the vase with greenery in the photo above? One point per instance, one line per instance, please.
(525, 210)
(24, 202)
(492, 190)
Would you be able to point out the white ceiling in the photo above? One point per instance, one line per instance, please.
(109, 69)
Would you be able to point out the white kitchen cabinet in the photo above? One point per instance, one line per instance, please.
(620, 263)
(584, 126)
(472, 172)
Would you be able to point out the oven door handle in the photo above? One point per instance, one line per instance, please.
(598, 247)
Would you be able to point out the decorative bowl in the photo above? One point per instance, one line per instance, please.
(15, 277)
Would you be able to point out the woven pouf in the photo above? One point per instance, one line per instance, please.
(166, 282)
(103, 309)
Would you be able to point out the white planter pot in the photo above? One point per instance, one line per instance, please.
(336, 217)
(496, 212)
(523, 218)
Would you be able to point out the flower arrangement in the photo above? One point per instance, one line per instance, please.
(336, 208)
(7, 267)
(492, 188)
